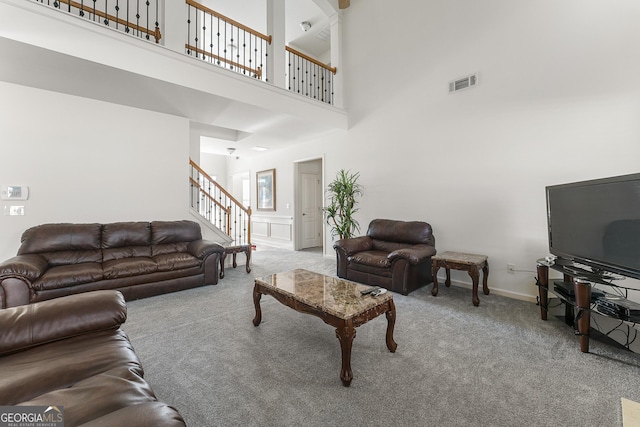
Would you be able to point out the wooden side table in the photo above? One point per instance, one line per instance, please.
(234, 250)
(471, 263)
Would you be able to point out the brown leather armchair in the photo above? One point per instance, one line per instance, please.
(395, 255)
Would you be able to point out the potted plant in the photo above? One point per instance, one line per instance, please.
(343, 191)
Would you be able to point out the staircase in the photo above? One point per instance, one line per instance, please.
(216, 206)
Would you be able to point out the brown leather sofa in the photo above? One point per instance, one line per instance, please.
(395, 255)
(139, 259)
(70, 352)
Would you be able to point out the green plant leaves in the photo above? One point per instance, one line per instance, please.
(343, 191)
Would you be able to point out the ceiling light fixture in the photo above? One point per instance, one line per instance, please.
(259, 148)
(231, 150)
(305, 25)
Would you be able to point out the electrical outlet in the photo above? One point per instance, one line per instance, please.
(511, 268)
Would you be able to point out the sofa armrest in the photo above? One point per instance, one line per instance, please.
(30, 325)
(354, 244)
(203, 248)
(414, 255)
(29, 267)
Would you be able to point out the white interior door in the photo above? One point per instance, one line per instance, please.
(311, 202)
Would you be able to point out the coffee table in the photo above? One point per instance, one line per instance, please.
(339, 303)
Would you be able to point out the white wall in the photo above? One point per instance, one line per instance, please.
(88, 161)
(216, 166)
(558, 101)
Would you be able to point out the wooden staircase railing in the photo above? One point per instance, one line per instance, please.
(225, 42)
(309, 77)
(217, 206)
(114, 15)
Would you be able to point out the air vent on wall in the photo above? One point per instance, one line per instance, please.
(463, 83)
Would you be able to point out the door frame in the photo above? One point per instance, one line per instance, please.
(297, 196)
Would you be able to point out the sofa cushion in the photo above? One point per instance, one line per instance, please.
(63, 243)
(176, 261)
(119, 234)
(37, 324)
(126, 252)
(377, 259)
(413, 232)
(126, 240)
(126, 267)
(69, 275)
(57, 237)
(384, 246)
(47, 367)
(169, 248)
(163, 232)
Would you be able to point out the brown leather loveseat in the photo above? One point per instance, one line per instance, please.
(70, 353)
(139, 259)
(395, 255)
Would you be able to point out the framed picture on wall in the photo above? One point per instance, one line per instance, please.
(266, 185)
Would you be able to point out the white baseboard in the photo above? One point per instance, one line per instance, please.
(495, 291)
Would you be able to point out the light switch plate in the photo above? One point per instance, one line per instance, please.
(11, 210)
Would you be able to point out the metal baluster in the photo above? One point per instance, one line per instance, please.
(330, 89)
(117, 13)
(238, 51)
(250, 42)
(211, 38)
(197, 13)
(316, 81)
(147, 34)
(266, 54)
(218, 56)
(204, 35)
(106, 14)
(225, 44)
(157, 21)
(244, 51)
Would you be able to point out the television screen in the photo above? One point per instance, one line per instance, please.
(597, 223)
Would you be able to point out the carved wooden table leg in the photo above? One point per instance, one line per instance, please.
(248, 256)
(391, 322)
(435, 266)
(256, 302)
(474, 273)
(485, 278)
(447, 281)
(346, 334)
(223, 256)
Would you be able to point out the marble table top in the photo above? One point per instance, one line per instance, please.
(461, 257)
(338, 297)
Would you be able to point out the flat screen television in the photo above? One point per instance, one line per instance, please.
(597, 223)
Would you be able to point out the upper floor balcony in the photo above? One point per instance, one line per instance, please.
(182, 58)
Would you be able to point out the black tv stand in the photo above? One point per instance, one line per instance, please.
(580, 299)
(582, 290)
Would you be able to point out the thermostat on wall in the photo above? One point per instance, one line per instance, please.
(14, 192)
